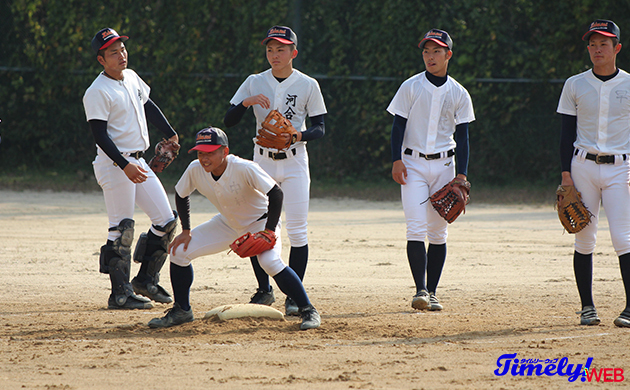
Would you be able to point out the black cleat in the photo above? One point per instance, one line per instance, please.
(310, 318)
(262, 297)
(174, 316)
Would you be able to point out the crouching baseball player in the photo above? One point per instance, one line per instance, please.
(249, 201)
(117, 106)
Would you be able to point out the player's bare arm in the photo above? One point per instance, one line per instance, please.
(259, 99)
(399, 172)
(182, 238)
(135, 173)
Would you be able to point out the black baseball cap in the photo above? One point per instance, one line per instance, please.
(440, 37)
(281, 34)
(209, 140)
(607, 28)
(105, 38)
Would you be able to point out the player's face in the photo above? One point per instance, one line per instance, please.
(114, 59)
(214, 162)
(602, 52)
(280, 57)
(436, 58)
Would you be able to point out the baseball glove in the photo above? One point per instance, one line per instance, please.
(451, 200)
(572, 213)
(253, 244)
(271, 135)
(165, 153)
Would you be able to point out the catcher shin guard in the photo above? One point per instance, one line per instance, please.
(117, 258)
(152, 252)
(122, 245)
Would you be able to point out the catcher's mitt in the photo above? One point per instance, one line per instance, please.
(451, 200)
(572, 213)
(271, 135)
(253, 244)
(165, 153)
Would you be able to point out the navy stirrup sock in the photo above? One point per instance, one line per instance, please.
(417, 257)
(181, 280)
(436, 256)
(298, 258)
(290, 284)
(261, 276)
(583, 270)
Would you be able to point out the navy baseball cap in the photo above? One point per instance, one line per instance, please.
(607, 28)
(281, 34)
(105, 38)
(209, 139)
(438, 36)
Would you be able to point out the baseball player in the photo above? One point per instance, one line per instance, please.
(296, 96)
(430, 132)
(594, 155)
(117, 106)
(248, 200)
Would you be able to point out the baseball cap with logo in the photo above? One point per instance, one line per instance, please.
(281, 34)
(209, 139)
(607, 28)
(438, 36)
(105, 38)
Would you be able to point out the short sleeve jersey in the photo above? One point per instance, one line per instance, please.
(121, 104)
(296, 97)
(431, 112)
(240, 194)
(602, 110)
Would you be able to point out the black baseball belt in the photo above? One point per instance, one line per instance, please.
(601, 158)
(435, 156)
(277, 156)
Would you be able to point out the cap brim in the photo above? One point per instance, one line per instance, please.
(205, 148)
(422, 42)
(111, 41)
(604, 33)
(281, 40)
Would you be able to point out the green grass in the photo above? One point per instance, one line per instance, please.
(377, 190)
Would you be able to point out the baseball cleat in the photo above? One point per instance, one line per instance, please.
(154, 292)
(421, 300)
(588, 316)
(623, 321)
(310, 318)
(174, 316)
(290, 307)
(131, 302)
(262, 297)
(434, 303)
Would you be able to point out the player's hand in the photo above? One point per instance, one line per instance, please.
(567, 180)
(174, 138)
(183, 238)
(399, 172)
(262, 100)
(135, 173)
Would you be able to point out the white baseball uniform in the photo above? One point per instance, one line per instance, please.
(296, 97)
(603, 128)
(432, 113)
(240, 197)
(121, 104)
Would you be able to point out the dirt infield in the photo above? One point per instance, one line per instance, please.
(507, 288)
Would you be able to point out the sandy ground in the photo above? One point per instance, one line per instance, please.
(507, 288)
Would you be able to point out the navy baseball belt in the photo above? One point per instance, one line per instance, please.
(276, 156)
(601, 158)
(435, 156)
